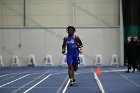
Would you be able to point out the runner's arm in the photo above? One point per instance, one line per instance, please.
(80, 44)
(64, 46)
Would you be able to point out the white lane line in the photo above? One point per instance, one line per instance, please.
(119, 70)
(27, 83)
(37, 83)
(7, 74)
(98, 81)
(13, 73)
(137, 85)
(64, 91)
(14, 80)
(8, 77)
(122, 70)
(58, 91)
(32, 80)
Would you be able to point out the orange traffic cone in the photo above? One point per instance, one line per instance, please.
(98, 72)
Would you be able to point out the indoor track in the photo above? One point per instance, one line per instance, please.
(55, 80)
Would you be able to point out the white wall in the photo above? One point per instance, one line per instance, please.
(59, 13)
(104, 41)
(11, 13)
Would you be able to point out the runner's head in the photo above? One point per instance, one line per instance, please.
(70, 30)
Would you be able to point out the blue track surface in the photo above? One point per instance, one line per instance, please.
(55, 80)
(116, 83)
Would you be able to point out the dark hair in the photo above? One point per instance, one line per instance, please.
(70, 27)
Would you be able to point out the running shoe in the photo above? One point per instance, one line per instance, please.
(74, 81)
(71, 83)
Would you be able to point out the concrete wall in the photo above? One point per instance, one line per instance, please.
(97, 22)
(59, 13)
(40, 42)
(11, 13)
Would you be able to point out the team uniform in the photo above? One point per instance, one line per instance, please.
(73, 44)
(72, 53)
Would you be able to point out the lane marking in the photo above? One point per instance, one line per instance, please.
(58, 91)
(137, 85)
(37, 83)
(24, 72)
(7, 74)
(14, 73)
(64, 91)
(8, 77)
(98, 81)
(14, 81)
(119, 70)
(27, 83)
(42, 88)
(33, 80)
(122, 70)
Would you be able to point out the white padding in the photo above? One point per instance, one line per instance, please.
(64, 60)
(15, 61)
(48, 60)
(99, 61)
(82, 60)
(1, 62)
(114, 60)
(31, 61)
